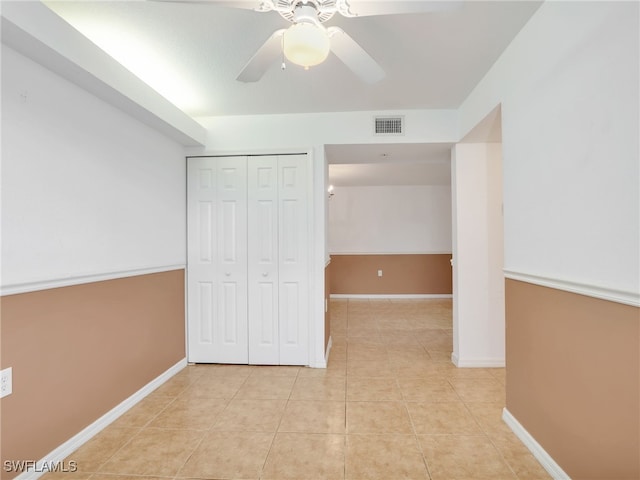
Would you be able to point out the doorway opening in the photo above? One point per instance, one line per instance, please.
(389, 225)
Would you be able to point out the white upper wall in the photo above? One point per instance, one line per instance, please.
(269, 132)
(38, 33)
(568, 88)
(86, 189)
(390, 219)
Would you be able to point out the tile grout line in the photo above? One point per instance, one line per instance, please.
(415, 433)
(417, 441)
(211, 428)
(275, 433)
(206, 432)
(139, 431)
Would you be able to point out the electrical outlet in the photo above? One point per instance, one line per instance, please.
(379, 273)
(6, 382)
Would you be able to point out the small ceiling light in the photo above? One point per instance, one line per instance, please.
(306, 44)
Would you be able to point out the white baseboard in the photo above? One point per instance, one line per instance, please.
(482, 362)
(322, 363)
(390, 296)
(56, 456)
(326, 354)
(534, 447)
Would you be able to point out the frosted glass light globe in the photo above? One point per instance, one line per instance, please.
(306, 44)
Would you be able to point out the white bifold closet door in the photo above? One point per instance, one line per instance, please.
(272, 234)
(217, 260)
(278, 273)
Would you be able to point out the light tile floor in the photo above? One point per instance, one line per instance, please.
(389, 406)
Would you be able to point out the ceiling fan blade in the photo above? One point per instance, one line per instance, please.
(363, 8)
(354, 56)
(266, 55)
(243, 4)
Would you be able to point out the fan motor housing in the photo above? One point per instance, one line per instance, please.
(309, 11)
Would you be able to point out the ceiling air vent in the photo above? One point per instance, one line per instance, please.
(389, 125)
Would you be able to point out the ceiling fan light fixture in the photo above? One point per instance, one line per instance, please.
(306, 44)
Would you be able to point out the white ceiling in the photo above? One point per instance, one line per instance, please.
(191, 53)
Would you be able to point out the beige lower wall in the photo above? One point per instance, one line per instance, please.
(79, 351)
(573, 378)
(410, 274)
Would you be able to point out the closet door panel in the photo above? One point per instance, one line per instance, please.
(293, 263)
(290, 314)
(216, 257)
(201, 292)
(263, 260)
(232, 259)
(266, 328)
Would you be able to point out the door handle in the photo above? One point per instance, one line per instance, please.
(227, 274)
(264, 274)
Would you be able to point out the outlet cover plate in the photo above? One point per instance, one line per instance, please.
(6, 382)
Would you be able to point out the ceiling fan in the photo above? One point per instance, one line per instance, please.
(307, 42)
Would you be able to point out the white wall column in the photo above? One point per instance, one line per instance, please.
(478, 280)
(319, 257)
